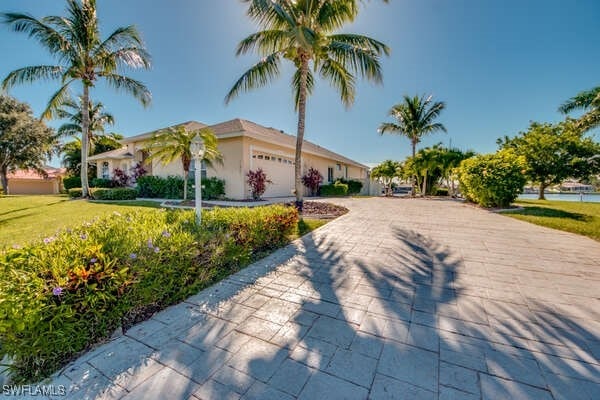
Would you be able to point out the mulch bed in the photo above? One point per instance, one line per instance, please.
(319, 210)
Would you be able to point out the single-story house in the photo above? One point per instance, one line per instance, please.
(575, 187)
(25, 181)
(245, 146)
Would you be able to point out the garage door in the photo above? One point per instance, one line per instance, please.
(279, 169)
(30, 187)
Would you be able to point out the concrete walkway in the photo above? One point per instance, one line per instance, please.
(399, 299)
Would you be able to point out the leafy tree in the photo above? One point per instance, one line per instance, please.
(25, 142)
(304, 33)
(71, 152)
(71, 111)
(175, 143)
(588, 101)
(75, 41)
(414, 119)
(385, 173)
(554, 152)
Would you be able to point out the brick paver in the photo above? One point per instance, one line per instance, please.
(399, 299)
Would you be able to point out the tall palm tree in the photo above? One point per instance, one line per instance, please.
(304, 32)
(414, 119)
(588, 101)
(71, 111)
(82, 56)
(175, 143)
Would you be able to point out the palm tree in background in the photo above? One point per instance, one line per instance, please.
(588, 101)
(303, 32)
(414, 119)
(175, 143)
(82, 57)
(71, 111)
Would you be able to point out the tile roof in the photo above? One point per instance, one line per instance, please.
(189, 125)
(34, 175)
(118, 154)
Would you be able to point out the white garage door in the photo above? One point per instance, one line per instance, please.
(279, 169)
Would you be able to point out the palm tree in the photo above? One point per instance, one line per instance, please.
(303, 32)
(588, 101)
(175, 143)
(75, 41)
(98, 118)
(414, 119)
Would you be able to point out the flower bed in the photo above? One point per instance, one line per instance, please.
(59, 297)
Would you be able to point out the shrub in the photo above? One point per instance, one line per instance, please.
(438, 191)
(337, 189)
(120, 178)
(213, 188)
(354, 186)
(258, 183)
(115, 194)
(72, 182)
(74, 289)
(137, 171)
(101, 183)
(157, 187)
(312, 180)
(75, 192)
(492, 180)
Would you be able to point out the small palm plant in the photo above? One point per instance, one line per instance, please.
(414, 119)
(304, 33)
(83, 57)
(175, 143)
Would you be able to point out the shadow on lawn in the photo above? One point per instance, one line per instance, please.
(340, 320)
(550, 213)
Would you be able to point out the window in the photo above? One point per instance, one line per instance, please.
(329, 174)
(260, 157)
(339, 167)
(105, 173)
(267, 158)
(192, 172)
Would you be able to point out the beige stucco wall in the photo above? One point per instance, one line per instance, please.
(232, 168)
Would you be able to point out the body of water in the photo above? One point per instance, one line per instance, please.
(586, 197)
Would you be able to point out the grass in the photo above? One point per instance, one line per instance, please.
(570, 216)
(25, 219)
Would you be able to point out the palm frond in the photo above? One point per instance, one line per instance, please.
(32, 74)
(341, 79)
(135, 88)
(257, 76)
(49, 37)
(389, 127)
(57, 100)
(581, 101)
(266, 42)
(362, 61)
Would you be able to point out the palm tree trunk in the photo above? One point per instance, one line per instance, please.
(85, 127)
(425, 184)
(413, 190)
(185, 184)
(300, 134)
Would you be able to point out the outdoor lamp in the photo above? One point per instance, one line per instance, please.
(197, 150)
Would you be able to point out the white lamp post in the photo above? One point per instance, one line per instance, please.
(197, 150)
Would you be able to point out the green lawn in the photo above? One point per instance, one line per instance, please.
(570, 216)
(24, 219)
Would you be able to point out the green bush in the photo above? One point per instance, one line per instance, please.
(75, 192)
(492, 180)
(115, 194)
(438, 191)
(72, 182)
(74, 289)
(101, 183)
(213, 188)
(337, 189)
(354, 186)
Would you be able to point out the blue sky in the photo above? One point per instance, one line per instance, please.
(497, 65)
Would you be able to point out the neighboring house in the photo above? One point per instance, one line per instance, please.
(24, 181)
(575, 187)
(245, 146)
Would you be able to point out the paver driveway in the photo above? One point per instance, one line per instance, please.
(399, 299)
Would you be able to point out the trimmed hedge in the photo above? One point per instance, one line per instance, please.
(101, 183)
(337, 189)
(172, 187)
(115, 194)
(75, 192)
(440, 191)
(492, 180)
(74, 289)
(354, 186)
(72, 182)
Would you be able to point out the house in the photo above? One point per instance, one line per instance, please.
(26, 181)
(245, 146)
(575, 187)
